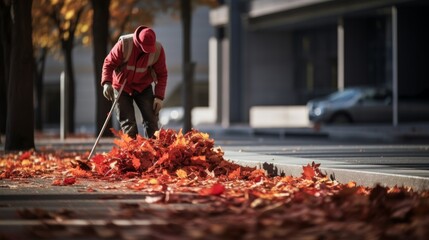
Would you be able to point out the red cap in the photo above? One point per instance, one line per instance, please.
(145, 38)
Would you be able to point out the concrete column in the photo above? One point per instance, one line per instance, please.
(395, 65)
(225, 84)
(340, 52)
(234, 31)
(214, 75)
(64, 123)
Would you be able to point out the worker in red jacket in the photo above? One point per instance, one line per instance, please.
(137, 60)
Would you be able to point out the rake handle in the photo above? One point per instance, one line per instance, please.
(107, 120)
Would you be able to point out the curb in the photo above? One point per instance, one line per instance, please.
(292, 166)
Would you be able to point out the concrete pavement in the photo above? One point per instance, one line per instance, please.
(405, 170)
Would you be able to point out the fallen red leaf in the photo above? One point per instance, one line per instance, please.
(69, 181)
(25, 155)
(216, 190)
(308, 172)
(136, 163)
(64, 182)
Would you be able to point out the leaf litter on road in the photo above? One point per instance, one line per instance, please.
(205, 196)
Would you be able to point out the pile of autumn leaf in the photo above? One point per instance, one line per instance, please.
(187, 155)
(187, 168)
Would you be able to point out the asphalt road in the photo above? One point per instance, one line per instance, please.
(416, 154)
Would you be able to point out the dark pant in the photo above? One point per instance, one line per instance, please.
(126, 115)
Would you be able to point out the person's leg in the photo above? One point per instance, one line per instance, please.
(125, 114)
(144, 101)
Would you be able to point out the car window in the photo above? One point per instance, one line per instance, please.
(375, 95)
(343, 95)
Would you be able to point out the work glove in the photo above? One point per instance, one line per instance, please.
(108, 91)
(157, 105)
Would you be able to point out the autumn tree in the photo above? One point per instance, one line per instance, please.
(70, 24)
(100, 32)
(19, 122)
(45, 41)
(188, 65)
(127, 15)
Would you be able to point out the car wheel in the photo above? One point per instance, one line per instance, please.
(341, 118)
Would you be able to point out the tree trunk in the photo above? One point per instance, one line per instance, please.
(38, 81)
(20, 117)
(5, 33)
(100, 30)
(188, 66)
(70, 83)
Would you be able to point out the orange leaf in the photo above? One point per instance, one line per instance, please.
(198, 158)
(153, 181)
(162, 159)
(308, 172)
(146, 145)
(56, 182)
(123, 140)
(216, 190)
(235, 174)
(351, 184)
(181, 173)
(136, 162)
(257, 175)
(65, 181)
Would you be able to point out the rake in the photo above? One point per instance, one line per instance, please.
(107, 120)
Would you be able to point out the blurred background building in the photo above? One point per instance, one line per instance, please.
(259, 62)
(269, 57)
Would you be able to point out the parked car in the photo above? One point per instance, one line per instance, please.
(364, 105)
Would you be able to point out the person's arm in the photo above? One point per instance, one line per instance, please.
(113, 60)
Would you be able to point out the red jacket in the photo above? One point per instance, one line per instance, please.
(138, 78)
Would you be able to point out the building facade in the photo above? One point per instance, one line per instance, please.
(269, 57)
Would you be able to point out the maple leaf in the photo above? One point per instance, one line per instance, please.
(198, 158)
(257, 175)
(136, 163)
(57, 182)
(26, 155)
(123, 140)
(216, 190)
(79, 172)
(351, 184)
(181, 173)
(180, 140)
(163, 159)
(64, 182)
(69, 181)
(100, 166)
(145, 145)
(235, 174)
(308, 172)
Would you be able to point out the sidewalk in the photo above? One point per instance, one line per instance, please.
(344, 171)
